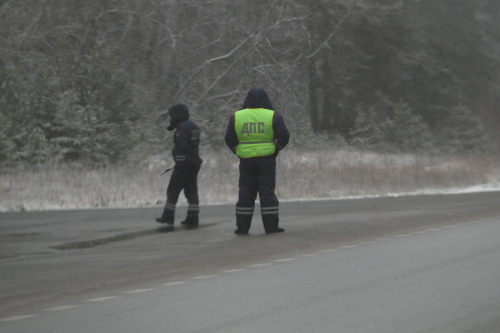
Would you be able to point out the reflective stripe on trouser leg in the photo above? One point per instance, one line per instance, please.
(270, 217)
(244, 217)
(269, 210)
(244, 210)
(191, 193)
(170, 206)
(246, 195)
(168, 212)
(173, 189)
(193, 210)
(192, 214)
(269, 203)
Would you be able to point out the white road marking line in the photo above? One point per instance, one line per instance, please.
(136, 291)
(14, 318)
(200, 277)
(418, 232)
(259, 265)
(233, 270)
(168, 284)
(466, 223)
(347, 246)
(285, 259)
(308, 255)
(433, 229)
(402, 235)
(328, 250)
(60, 308)
(449, 226)
(384, 238)
(101, 299)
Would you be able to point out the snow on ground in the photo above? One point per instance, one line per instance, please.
(301, 176)
(43, 206)
(471, 189)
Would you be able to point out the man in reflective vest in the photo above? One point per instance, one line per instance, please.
(256, 134)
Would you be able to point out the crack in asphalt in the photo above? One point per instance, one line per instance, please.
(118, 238)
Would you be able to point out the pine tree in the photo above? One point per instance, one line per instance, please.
(19, 142)
(81, 110)
(8, 104)
(406, 132)
(366, 134)
(105, 94)
(462, 132)
(403, 132)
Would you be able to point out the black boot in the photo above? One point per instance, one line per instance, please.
(167, 217)
(278, 229)
(190, 222)
(241, 232)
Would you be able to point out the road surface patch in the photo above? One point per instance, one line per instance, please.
(168, 284)
(233, 270)
(15, 318)
(60, 308)
(259, 265)
(101, 299)
(201, 277)
(136, 291)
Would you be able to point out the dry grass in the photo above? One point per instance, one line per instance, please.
(301, 175)
(347, 174)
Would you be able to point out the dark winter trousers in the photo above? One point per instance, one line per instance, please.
(186, 180)
(257, 175)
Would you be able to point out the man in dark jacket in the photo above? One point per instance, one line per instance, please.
(256, 134)
(187, 164)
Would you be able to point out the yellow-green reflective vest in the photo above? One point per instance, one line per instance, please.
(254, 128)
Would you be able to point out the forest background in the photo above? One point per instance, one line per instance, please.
(84, 87)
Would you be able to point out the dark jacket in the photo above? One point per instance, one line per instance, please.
(186, 138)
(258, 98)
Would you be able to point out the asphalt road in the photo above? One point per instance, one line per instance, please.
(407, 264)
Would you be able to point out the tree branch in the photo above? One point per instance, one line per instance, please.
(337, 27)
